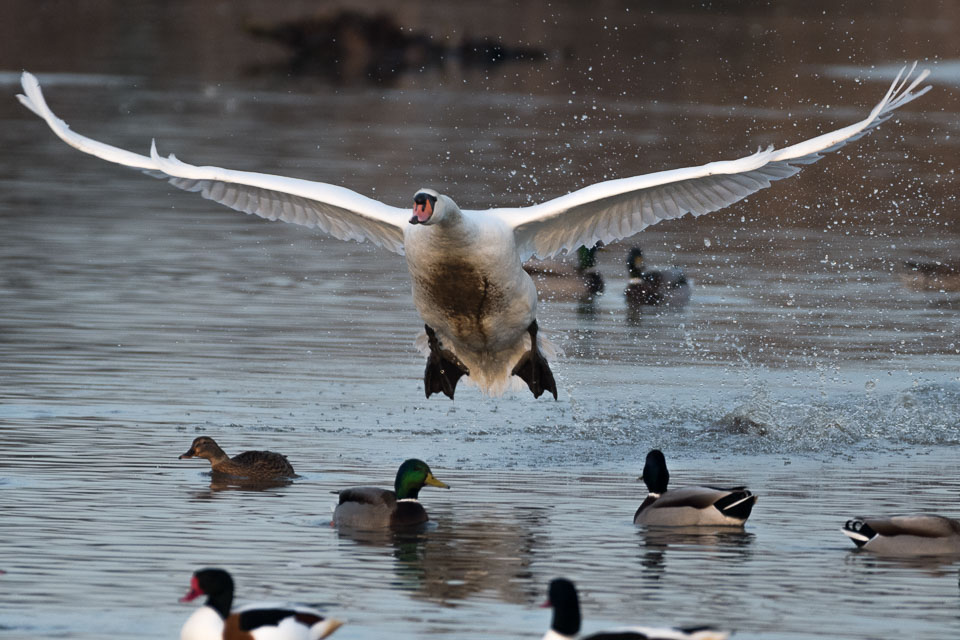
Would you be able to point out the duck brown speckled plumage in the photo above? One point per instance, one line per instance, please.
(254, 465)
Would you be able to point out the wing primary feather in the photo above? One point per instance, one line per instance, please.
(341, 212)
(564, 223)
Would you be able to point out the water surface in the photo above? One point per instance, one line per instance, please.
(134, 317)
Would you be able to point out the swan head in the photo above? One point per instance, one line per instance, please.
(430, 207)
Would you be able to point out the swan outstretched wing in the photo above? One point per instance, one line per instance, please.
(617, 209)
(342, 213)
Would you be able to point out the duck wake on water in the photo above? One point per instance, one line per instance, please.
(469, 286)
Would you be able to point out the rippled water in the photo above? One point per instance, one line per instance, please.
(134, 317)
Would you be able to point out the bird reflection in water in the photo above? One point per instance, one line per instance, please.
(446, 561)
(224, 482)
(656, 542)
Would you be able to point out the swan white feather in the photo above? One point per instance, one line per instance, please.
(617, 209)
(488, 246)
(342, 213)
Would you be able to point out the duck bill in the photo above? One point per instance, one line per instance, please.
(194, 593)
(433, 482)
(188, 454)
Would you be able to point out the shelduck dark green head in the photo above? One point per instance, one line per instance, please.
(412, 475)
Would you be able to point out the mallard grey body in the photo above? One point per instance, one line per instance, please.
(252, 465)
(373, 508)
(906, 535)
(696, 506)
(689, 506)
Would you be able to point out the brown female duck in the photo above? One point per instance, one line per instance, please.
(254, 465)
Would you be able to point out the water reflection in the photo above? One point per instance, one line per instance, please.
(657, 543)
(453, 560)
(222, 482)
(121, 314)
(872, 564)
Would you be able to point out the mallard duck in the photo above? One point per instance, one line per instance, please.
(466, 266)
(215, 621)
(905, 535)
(254, 465)
(689, 506)
(558, 280)
(373, 508)
(668, 287)
(562, 597)
(932, 276)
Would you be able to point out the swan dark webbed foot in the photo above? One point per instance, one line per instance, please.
(443, 370)
(533, 369)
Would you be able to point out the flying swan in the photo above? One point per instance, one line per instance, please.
(477, 302)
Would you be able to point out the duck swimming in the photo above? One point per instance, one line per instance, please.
(565, 625)
(905, 535)
(689, 506)
(668, 287)
(254, 465)
(215, 621)
(373, 508)
(466, 267)
(557, 280)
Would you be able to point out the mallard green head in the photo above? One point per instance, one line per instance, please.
(587, 258)
(635, 263)
(411, 476)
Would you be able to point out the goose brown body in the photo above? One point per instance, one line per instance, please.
(253, 465)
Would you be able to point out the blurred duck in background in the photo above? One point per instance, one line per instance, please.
(561, 280)
(667, 287)
(932, 276)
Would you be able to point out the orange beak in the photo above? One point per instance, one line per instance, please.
(422, 211)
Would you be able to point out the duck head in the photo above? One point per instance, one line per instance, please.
(655, 474)
(412, 475)
(430, 207)
(587, 257)
(562, 597)
(217, 585)
(204, 447)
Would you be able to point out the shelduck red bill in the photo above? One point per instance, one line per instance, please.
(195, 591)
